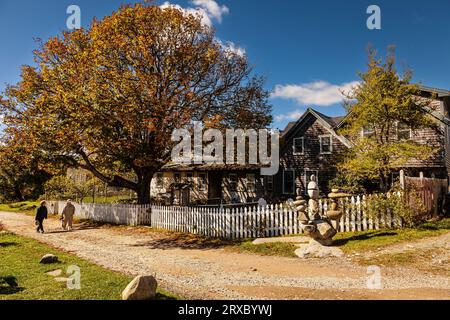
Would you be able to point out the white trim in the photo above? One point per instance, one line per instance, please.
(254, 181)
(303, 146)
(266, 183)
(293, 181)
(237, 181)
(159, 179)
(397, 132)
(364, 135)
(331, 143)
(199, 179)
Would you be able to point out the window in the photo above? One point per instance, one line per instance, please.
(189, 177)
(403, 131)
(160, 180)
(202, 181)
(269, 183)
(288, 181)
(177, 177)
(233, 181)
(325, 144)
(368, 131)
(299, 145)
(251, 182)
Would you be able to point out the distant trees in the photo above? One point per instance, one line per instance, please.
(63, 187)
(107, 99)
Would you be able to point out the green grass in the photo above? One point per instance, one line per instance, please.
(351, 242)
(28, 207)
(371, 240)
(267, 249)
(22, 277)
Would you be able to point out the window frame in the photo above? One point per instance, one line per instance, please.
(202, 184)
(398, 131)
(189, 177)
(160, 180)
(293, 181)
(330, 137)
(267, 183)
(247, 182)
(367, 133)
(294, 145)
(235, 183)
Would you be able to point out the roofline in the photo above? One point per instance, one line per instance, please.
(441, 93)
(324, 123)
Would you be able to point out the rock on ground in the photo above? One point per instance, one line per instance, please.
(141, 288)
(316, 250)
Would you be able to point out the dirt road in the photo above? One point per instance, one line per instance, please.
(219, 274)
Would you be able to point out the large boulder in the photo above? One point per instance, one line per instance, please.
(325, 230)
(48, 259)
(141, 288)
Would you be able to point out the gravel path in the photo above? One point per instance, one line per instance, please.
(220, 274)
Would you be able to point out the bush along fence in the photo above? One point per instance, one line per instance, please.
(232, 223)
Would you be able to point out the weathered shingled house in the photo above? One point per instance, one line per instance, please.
(308, 146)
(207, 184)
(311, 143)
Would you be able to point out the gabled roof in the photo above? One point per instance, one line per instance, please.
(329, 123)
(441, 93)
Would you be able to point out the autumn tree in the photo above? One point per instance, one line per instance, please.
(107, 99)
(22, 173)
(378, 107)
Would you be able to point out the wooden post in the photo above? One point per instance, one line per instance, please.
(402, 179)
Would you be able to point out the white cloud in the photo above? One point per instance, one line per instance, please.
(232, 47)
(208, 10)
(213, 9)
(291, 116)
(320, 93)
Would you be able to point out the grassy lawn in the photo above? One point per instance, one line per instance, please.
(28, 207)
(371, 240)
(351, 242)
(23, 278)
(267, 249)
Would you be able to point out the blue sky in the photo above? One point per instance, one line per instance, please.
(307, 50)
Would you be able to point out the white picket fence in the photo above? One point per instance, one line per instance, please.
(231, 223)
(120, 214)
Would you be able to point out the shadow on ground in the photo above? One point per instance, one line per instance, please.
(184, 241)
(8, 244)
(9, 285)
(341, 242)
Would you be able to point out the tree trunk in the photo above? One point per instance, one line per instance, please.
(18, 193)
(143, 187)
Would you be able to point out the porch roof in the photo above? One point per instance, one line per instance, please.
(211, 167)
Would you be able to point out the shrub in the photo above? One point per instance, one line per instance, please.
(405, 204)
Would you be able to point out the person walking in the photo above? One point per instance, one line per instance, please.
(67, 215)
(41, 215)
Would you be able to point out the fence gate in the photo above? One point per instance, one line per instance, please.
(432, 192)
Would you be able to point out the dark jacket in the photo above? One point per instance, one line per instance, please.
(41, 213)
